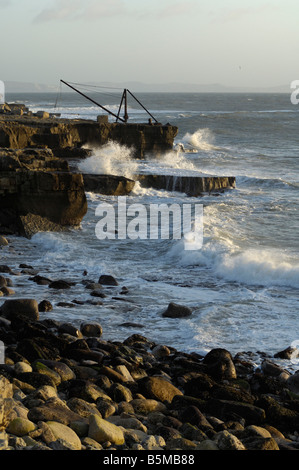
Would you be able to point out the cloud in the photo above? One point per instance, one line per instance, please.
(75, 10)
(88, 10)
(5, 3)
(177, 9)
(238, 14)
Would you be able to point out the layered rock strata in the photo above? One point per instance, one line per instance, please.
(38, 193)
(191, 185)
(32, 131)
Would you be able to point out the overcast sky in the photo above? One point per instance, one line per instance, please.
(232, 42)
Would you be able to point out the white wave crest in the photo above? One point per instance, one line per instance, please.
(263, 267)
(112, 159)
(202, 139)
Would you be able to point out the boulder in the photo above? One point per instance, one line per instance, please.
(91, 329)
(102, 431)
(20, 307)
(158, 389)
(146, 406)
(3, 241)
(21, 426)
(53, 409)
(177, 311)
(220, 364)
(227, 441)
(108, 280)
(65, 435)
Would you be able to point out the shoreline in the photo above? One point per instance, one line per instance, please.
(66, 388)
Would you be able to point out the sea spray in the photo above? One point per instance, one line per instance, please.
(112, 158)
(202, 139)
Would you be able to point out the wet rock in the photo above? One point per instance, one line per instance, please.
(270, 368)
(193, 415)
(45, 306)
(64, 435)
(293, 383)
(279, 415)
(288, 353)
(91, 444)
(153, 443)
(20, 307)
(177, 311)
(42, 369)
(91, 329)
(87, 391)
(41, 280)
(53, 409)
(108, 184)
(5, 269)
(36, 379)
(21, 367)
(60, 284)
(146, 406)
(64, 371)
(226, 410)
(38, 193)
(43, 393)
(220, 364)
(21, 426)
(127, 421)
(3, 440)
(180, 443)
(6, 291)
(108, 280)
(208, 444)
(167, 433)
(3, 241)
(159, 389)
(102, 431)
(37, 348)
(120, 393)
(106, 408)
(260, 443)
(160, 351)
(227, 441)
(82, 407)
(137, 399)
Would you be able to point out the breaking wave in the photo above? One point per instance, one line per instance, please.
(252, 267)
(202, 139)
(112, 159)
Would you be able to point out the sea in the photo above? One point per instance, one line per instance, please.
(242, 282)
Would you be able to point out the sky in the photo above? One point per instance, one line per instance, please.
(251, 43)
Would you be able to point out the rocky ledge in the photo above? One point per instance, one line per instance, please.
(38, 192)
(191, 185)
(64, 387)
(47, 131)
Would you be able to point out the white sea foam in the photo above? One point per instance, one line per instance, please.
(202, 139)
(263, 267)
(113, 159)
(174, 162)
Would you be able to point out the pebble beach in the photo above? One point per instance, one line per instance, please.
(68, 388)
